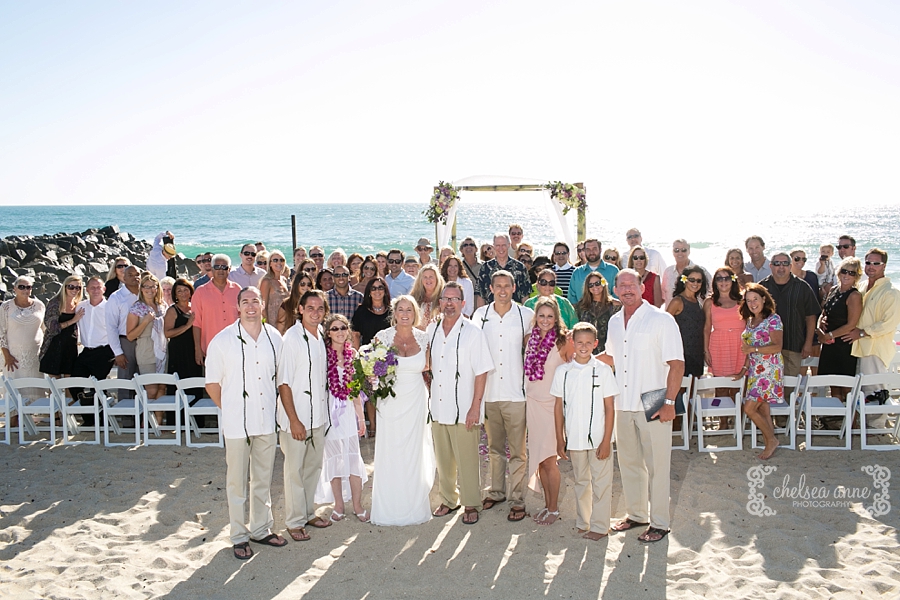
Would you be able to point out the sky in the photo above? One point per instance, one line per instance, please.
(652, 104)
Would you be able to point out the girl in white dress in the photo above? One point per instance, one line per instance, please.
(404, 450)
(343, 470)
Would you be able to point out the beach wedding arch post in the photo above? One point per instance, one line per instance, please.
(560, 199)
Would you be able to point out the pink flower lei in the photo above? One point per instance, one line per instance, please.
(339, 385)
(537, 352)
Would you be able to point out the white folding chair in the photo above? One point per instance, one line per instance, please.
(724, 407)
(687, 383)
(891, 407)
(783, 409)
(820, 405)
(8, 410)
(28, 408)
(202, 407)
(165, 403)
(71, 407)
(115, 405)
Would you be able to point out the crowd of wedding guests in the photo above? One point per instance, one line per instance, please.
(535, 344)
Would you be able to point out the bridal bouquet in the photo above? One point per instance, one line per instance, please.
(375, 369)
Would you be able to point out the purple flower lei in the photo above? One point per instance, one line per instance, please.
(338, 385)
(537, 352)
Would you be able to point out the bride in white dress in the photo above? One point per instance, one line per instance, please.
(404, 450)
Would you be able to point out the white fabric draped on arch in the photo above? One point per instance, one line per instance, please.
(563, 225)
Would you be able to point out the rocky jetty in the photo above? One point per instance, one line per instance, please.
(49, 259)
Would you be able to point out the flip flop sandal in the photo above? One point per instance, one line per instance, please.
(516, 514)
(245, 546)
(318, 523)
(336, 516)
(489, 503)
(298, 534)
(547, 515)
(363, 516)
(627, 524)
(449, 512)
(541, 513)
(467, 513)
(653, 531)
(271, 540)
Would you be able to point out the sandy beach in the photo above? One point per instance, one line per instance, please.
(96, 522)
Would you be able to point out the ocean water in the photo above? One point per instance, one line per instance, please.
(368, 227)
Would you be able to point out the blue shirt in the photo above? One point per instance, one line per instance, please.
(401, 285)
(576, 284)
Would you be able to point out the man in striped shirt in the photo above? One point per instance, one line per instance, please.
(562, 267)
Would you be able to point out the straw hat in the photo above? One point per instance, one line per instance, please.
(169, 250)
(424, 243)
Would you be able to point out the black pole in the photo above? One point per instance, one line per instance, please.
(294, 232)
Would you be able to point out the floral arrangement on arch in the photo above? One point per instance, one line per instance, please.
(443, 199)
(567, 194)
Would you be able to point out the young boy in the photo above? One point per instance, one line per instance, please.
(584, 391)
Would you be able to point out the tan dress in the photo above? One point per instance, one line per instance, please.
(278, 293)
(540, 417)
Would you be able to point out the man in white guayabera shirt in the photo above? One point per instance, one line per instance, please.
(644, 347)
(460, 361)
(241, 363)
(303, 414)
(504, 324)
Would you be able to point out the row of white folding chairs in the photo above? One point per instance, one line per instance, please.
(113, 399)
(805, 400)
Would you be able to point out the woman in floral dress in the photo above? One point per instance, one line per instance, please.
(761, 344)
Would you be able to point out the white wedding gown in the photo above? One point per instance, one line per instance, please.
(404, 451)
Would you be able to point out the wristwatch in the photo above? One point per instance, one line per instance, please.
(862, 333)
(670, 402)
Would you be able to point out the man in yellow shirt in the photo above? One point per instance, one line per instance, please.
(873, 338)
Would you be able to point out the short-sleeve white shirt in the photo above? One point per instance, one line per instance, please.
(452, 399)
(641, 352)
(504, 337)
(585, 388)
(224, 366)
(304, 361)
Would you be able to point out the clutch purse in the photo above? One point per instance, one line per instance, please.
(656, 399)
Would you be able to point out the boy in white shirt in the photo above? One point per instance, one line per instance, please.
(584, 390)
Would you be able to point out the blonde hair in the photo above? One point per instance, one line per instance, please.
(412, 302)
(112, 266)
(158, 297)
(270, 274)
(62, 291)
(418, 289)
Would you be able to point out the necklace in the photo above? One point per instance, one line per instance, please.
(537, 352)
(339, 380)
(378, 309)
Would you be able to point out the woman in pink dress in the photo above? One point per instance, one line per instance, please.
(724, 325)
(546, 348)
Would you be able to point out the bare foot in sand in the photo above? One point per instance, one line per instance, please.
(768, 451)
(593, 535)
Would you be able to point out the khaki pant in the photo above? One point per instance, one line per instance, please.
(871, 365)
(593, 490)
(302, 468)
(256, 460)
(505, 423)
(456, 453)
(645, 454)
(792, 362)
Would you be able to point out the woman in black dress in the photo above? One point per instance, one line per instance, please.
(840, 314)
(685, 307)
(116, 275)
(60, 347)
(372, 316)
(177, 326)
